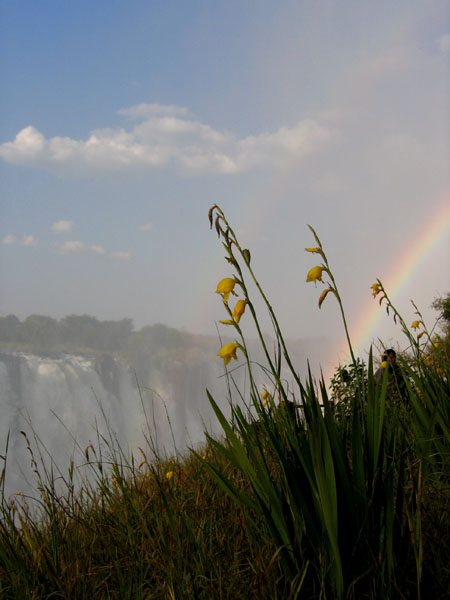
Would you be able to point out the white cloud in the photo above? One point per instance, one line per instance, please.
(143, 111)
(75, 246)
(8, 239)
(29, 240)
(162, 136)
(147, 227)
(444, 43)
(29, 144)
(97, 249)
(72, 246)
(62, 227)
(121, 255)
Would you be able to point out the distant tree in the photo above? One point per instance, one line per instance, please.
(442, 305)
(9, 327)
(114, 334)
(82, 331)
(441, 343)
(40, 331)
(151, 345)
(159, 336)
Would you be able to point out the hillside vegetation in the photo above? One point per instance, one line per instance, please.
(310, 493)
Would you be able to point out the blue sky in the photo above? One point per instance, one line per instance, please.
(122, 122)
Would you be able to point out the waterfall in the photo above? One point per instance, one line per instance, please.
(65, 402)
(70, 401)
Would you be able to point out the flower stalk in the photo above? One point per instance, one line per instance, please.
(316, 273)
(231, 243)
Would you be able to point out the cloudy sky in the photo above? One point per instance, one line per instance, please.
(122, 122)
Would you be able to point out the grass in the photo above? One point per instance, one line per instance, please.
(302, 497)
(139, 535)
(243, 518)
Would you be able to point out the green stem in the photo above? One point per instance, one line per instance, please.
(226, 236)
(273, 317)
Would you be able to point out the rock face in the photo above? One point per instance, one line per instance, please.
(66, 402)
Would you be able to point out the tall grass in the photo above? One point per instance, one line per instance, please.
(162, 529)
(343, 498)
(302, 497)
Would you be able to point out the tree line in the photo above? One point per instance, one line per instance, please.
(40, 333)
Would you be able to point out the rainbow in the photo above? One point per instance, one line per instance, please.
(412, 259)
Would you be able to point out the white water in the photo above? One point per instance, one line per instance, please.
(60, 400)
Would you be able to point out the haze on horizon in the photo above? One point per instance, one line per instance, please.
(122, 123)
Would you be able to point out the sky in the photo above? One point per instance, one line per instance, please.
(121, 123)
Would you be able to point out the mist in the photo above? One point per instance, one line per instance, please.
(78, 381)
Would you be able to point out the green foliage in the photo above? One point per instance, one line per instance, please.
(86, 334)
(343, 495)
(300, 499)
(344, 384)
(443, 306)
(40, 333)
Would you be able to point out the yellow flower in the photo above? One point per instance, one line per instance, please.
(315, 274)
(237, 313)
(383, 365)
(415, 324)
(376, 289)
(265, 394)
(239, 310)
(19, 492)
(226, 287)
(169, 475)
(323, 295)
(317, 250)
(228, 352)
